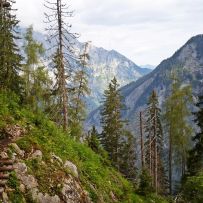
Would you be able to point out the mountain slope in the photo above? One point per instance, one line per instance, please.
(187, 62)
(103, 66)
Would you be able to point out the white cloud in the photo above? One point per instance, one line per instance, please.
(146, 31)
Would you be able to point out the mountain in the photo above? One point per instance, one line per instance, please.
(148, 66)
(187, 62)
(102, 67)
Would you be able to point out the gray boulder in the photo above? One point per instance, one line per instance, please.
(72, 168)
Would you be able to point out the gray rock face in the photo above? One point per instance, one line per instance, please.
(4, 155)
(71, 190)
(187, 62)
(103, 66)
(72, 168)
(14, 131)
(73, 193)
(27, 180)
(37, 155)
(20, 168)
(44, 198)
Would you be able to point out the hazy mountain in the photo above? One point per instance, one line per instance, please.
(102, 67)
(148, 66)
(187, 62)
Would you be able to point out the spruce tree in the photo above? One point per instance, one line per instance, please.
(154, 142)
(195, 160)
(79, 91)
(128, 156)
(111, 121)
(145, 185)
(10, 59)
(93, 140)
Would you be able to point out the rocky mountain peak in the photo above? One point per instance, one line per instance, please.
(102, 67)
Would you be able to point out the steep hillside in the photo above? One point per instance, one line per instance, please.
(187, 62)
(102, 67)
(51, 167)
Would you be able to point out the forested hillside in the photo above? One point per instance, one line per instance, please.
(46, 153)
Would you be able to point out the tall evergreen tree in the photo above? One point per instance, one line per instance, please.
(145, 185)
(128, 156)
(178, 128)
(93, 140)
(111, 121)
(154, 142)
(195, 160)
(80, 89)
(10, 59)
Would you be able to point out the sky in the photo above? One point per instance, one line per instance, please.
(145, 31)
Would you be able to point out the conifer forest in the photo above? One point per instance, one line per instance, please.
(80, 123)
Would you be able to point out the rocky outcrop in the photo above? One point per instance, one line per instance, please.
(72, 168)
(14, 131)
(73, 193)
(44, 198)
(37, 155)
(27, 180)
(70, 188)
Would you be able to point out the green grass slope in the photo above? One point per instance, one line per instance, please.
(96, 174)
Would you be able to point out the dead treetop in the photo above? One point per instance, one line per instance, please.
(4, 4)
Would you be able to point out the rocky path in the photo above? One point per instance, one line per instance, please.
(6, 166)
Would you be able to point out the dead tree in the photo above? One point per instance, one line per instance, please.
(154, 143)
(62, 41)
(142, 141)
(155, 150)
(4, 4)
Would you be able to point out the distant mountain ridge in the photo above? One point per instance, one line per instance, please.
(102, 67)
(148, 66)
(187, 62)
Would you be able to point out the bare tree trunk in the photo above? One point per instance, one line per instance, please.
(170, 162)
(65, 102)
(155, 151)
(183, 164)
(142, 142)
(150, 154)
(62, 77)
